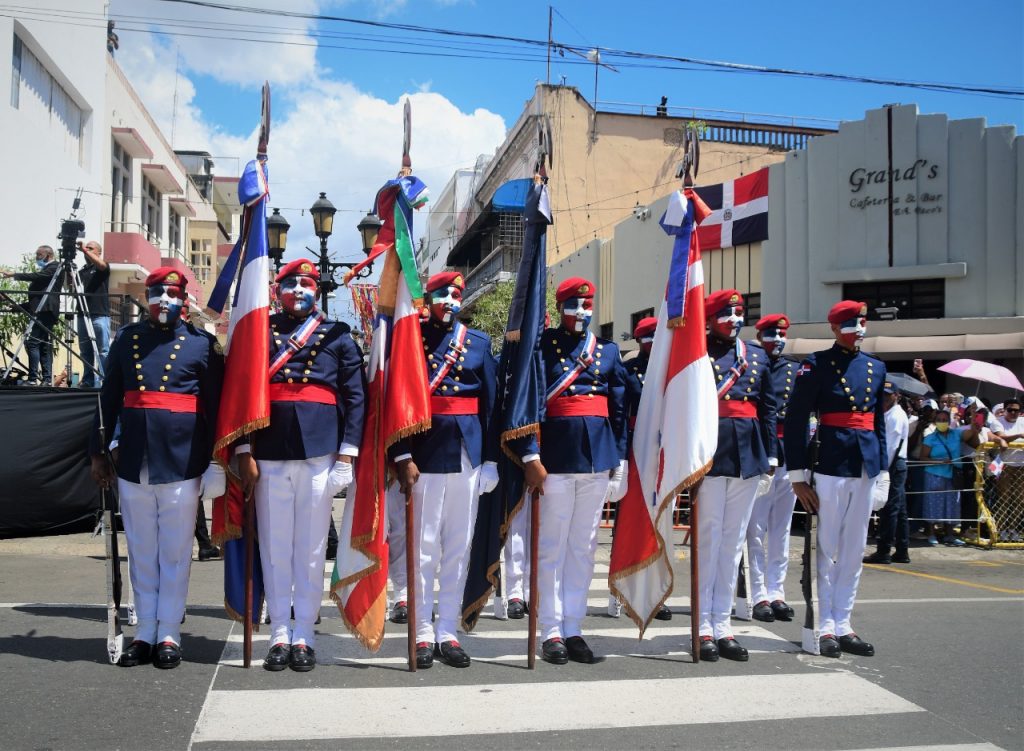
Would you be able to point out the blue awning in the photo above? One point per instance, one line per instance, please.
(512, 196)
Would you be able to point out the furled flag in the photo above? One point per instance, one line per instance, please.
(676, 428)
(518, 407)
(397, 406)
(245, 405)
(739, 212)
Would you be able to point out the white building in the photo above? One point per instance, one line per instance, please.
(53, 136)
(444, 221)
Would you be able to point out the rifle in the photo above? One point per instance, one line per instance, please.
(808, 584)
(115, 633)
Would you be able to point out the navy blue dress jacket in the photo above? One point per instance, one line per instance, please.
(837, 380)
(783, 370)
(474, 376)
(301, 429)
(744, 444)
(179, 360)
(577, 444)
(636, 371)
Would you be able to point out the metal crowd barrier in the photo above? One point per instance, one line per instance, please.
(999, 489)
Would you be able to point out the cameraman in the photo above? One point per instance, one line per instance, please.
(38, 344)
(96, 281)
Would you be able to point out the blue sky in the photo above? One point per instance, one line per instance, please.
(935, 41)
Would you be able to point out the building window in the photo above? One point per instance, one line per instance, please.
(35, 92)
(152, 219)
(121, 182)
(919, 298)
(607, 331)
(752, 307)
(634, 319)
(174, 221)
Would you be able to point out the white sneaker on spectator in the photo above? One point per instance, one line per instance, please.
(614, 606)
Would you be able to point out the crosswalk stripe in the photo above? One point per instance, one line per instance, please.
(355, 712)
(940, 747)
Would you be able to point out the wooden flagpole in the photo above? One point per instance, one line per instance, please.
(531, 643)
(250, 554)
(411, 574)
(694, 577)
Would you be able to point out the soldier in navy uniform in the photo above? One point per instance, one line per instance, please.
(636, 371)
(448, 466)
(747, 454)
(161, 391)
(844, 386)
(581, 462)
(768, 530)
(296, 465)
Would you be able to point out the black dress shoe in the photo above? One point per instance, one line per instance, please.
(400, 612)
(452, 654)
(901, 556)
(211, 553)
(708, 649)
(424, 655)
(878, 557)
(278, 657)
(554, 651)
(763, 612)
(516, 609)
(782, 611)
(332, 552)
(303, 658)
(663, 614)
(167, 656)
(137, 653)
(579, 651)
(829, 646)
(731, 649)
(854, 645)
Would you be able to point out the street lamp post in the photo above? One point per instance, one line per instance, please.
(277, 237)
(323, 212)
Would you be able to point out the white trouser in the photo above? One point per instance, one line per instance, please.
(768, 539)
(843, 513)
(159, 522)
(570, 511)
(723, 510)
(395, 501)
(293, 511)
(517, 562)
(445, 508)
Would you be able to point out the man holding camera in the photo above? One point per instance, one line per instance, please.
(44, 309)
(95, 281)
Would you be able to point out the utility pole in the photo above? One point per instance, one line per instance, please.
(550, 23)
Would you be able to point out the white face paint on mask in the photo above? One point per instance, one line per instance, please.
(164, 303)
(446, 304)
(775, 342)
(852, 331)
(577, 312)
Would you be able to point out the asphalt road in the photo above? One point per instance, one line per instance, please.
(948, 630)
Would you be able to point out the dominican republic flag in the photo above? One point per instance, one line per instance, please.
(397, 406)
(676, 428)
(519, 405)
(739, 212)
(245, 401)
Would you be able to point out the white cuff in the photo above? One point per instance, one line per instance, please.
(531, 458)
(243, 448)
(402, 458)
(772, 461)
(347, 449)
(798, 475)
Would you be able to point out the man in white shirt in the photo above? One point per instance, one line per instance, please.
(893, 528)
(1010, 484)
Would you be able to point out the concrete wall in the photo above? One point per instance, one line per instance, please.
(442, 221)
(40, 176)
(957, 191)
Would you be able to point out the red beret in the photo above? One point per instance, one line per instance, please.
(718, 300)
(575, 286)
(167, 275)
(773, 321)
(645, 327)
(299, 267)
(446, 279)
(847, 309)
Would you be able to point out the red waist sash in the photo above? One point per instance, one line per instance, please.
(578, 406)
(632, 422)
(778, 430)
(737, 409)
(852, 420)
(302, 392)
(161, 400)
(454, 405)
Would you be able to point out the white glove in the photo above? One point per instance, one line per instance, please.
(213, 483)
(880, 492)
(764, 485)
(340, 477)
(617, 485)
(488, 477)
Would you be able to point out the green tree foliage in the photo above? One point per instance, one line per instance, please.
(490, 312)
